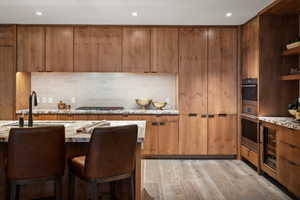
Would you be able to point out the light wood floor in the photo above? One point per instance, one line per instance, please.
(206, 180)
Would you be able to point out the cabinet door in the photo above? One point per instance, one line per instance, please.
(164, 50)
(151, 138)
(168, 137)
(7, 35)
(222, 135)
(193, 70)
(192, 135)
(250, 49)
(98, 49)
(136, 50)
(222, 71)
(31, 49)
(7, 82)
(59, 48)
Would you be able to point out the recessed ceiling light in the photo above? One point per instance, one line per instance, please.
(229, 14)
(38, 13)
(134, 14)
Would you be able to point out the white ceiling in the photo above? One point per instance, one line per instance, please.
(150, 12)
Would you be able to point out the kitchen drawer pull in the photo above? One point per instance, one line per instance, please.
(162, 123)
(210, 116)
(203, 116)
(193, 114)
(154, 123)
(222, 115)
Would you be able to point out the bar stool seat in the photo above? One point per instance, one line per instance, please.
(110, 158)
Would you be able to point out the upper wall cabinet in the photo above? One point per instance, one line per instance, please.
(250, 49)
(193, 70)
(7, 35)
(31, 49)
(222, 71)
(98, 49)
(164, 50)
(136, 49)
(59, 48)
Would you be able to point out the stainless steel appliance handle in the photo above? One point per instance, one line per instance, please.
(249, 86)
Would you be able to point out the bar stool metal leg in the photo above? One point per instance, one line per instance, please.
(14, 191)
(94, 190)
(132, 180)
(71, 186)
(58, 188)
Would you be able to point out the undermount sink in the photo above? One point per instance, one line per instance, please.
(41, 124)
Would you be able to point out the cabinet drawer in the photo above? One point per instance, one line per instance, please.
(289, 173)
(249, 155)
(289, 136)
(289, 152)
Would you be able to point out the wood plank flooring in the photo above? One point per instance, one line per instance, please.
(206, 180)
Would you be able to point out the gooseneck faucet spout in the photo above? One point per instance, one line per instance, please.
(30, 120)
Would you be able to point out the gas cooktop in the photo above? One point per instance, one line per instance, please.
(100, 108)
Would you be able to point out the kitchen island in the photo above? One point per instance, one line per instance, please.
(76, 144)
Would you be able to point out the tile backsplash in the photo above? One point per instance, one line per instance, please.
(102, 89)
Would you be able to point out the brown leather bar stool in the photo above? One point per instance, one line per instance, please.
(36, 154)
(110, 157)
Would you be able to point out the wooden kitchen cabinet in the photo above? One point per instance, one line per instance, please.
(7, 82)
(288, 152)
(31, 49)
(222, 134)
(168, 138)
(192, 135)
(164, 50)
(7, 35)
(193, 70)
(136, 49)
(222, 71)
(250, 49)
(98, 49)
(59, 49)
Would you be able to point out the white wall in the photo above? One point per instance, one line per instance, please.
(102, 89)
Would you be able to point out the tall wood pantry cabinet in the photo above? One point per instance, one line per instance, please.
(208, 91)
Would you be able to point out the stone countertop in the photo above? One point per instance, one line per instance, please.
(72, 126)
(287, 122)
(101, 112)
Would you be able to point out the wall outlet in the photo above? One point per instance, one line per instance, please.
(73, 100)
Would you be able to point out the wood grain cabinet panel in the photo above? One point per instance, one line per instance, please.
(7, 35)
(192, 135)
(164, 50)
(98, 49)
(136, 49)
(222, 71)
(31, 49)
(193, 70)
(222, 135)
(7, 82)
(168, 137)
(59, 48)
(250, 49)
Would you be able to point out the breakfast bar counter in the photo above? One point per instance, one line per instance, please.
(76, 144)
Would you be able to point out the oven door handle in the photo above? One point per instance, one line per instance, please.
(249, 86)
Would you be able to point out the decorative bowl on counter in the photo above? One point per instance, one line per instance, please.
(143, 102)
(292, 112)
(159, 104)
